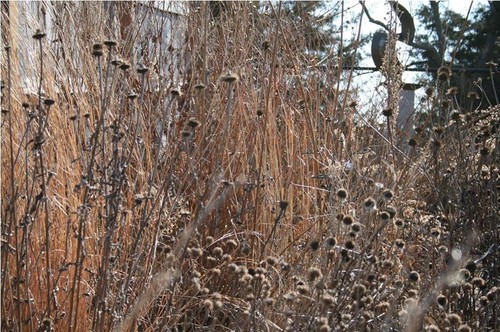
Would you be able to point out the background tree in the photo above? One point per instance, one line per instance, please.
(460, 42)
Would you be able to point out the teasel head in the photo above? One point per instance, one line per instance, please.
(444, 73)
(369, 204)
(229, 77)
(38, 34)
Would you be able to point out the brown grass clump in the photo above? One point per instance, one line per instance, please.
(219, 181)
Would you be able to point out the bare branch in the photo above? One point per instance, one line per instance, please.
(370, 18)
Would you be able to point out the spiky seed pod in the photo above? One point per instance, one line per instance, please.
(38, 34)
(400, 244)
(271, 260)
(369, 204)
(471, 266)
(176, 92)
(97, 50)
(455, 115)
(186, 133)
(454, 319)
(48, 101)
(349, 245)
(464, 274)
(464, 328)
(193, 123)
(199, 86)
(385, 217)
(444, 73)
(442, 300)
(342, 194)
(387, 112)
(414, 276)
(208, 304)
(356, 227)
(331, 241)
(124, 66)
(229, 78)
(142, 69)
(387, 194)
(314, 245)
(391, 210)
(398, 222)
(348, 220)
(110, 43)
(314, 273)
(429, 91)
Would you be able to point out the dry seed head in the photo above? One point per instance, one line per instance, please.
(356, 227)
(303, 289)
(314, 245)
(454, 319)
(110, 43)
(176, 92)
(290, 296)
(324, 328)
(387, 194)
(186, 133)
(442, 300)
(48, 101)
(327, 300)
(385, 217)
(342, 194)
(246, 278)
(413, 276)
(38, 34)
(196, 252)
(348, 220)
(464, 328)
(229, 78)
(358, 290)
(444, 73)
(369, 204)
(193, 123)
(124, 66)
(429, 91)
(478, 282)
(400, 244)
(269, 301)
(331, 241)
(464, 274)
(387, 112)
(283, 205)
(314, 273)
(215, 271)
(435, 232)
(208, 304)
(432, 328)
(398, 222)
(271, 260)
(142, 69)
(217, 251)
(349, 245)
